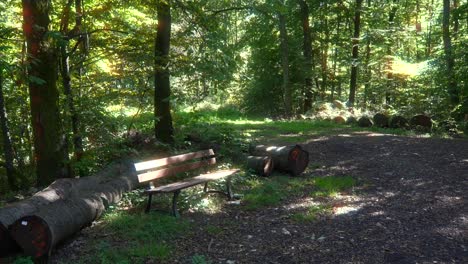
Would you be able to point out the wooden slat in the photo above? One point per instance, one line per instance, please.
(194, 181)
(153, 164)
(153, 175)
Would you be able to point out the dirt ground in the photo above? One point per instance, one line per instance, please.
(410, 207)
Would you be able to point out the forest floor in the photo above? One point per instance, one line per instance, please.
(409, 205)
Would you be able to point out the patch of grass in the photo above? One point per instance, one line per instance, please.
(23, 260)
(271, 191)
(213, 230)
(140, 237)
(312, 214)
(200, 259)
(329, 186)
(153, 250)
(144, 227)
(263, 193)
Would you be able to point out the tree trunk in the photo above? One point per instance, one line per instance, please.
(324, 61)
(7, 146)
(262, 165)
(47, 129)
(307, 52)
(454, 94)
(109, 185)
(292, 159)
(368, 70)
(164, 130)
(391, 21)
(6, 243)
(354, 65)
(287, 93)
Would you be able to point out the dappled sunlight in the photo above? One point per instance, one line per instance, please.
(408, 69)
(117, 110)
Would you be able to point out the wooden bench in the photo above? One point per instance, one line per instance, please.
(153, 170)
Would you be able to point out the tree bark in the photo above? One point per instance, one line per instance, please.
(354, 65)
(287, 93)
(307, 52)
(47, 128)
(164, 130)
(7, 145)
(292, 159)
(262, 165)
(453, 92)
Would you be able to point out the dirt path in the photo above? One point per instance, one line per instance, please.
(411, 208)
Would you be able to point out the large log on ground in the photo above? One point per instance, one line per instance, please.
(39, 233)
(262, 165)
(292, 159)
(109, 183)
(59, 189)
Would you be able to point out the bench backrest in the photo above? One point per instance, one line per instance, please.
(157, 169)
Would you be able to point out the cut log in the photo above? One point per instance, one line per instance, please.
(59, 189)
(262, 165)
(381, 120)
(292, 159)
(39, 233)
(365, 121)
(109, 184)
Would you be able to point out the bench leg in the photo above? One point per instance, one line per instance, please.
(148, 206)
(205, 188)
(175, 212)
(228, 189)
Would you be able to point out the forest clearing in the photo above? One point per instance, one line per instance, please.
(233, 131)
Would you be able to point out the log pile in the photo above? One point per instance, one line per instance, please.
(37, 224)
(290, 159)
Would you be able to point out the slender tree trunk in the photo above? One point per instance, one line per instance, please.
(47, 128)
(307, 52)
(324, 61)
(448, 49)
(7, 146)
(287, 93)
(71, 113)
(354, 65)
(368, 77)
(391, 21)
(163, 128)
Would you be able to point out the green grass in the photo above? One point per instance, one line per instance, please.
(213, 230)
(200, 259)
(263, 192)
(136, 238)
(312, 214)
(329, 186)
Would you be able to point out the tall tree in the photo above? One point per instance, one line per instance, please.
(43, 93)
(7, 146)
(287, 93)
(354, 64)
(390, 42)
(307, 53)
(448, 49)
(163, 128)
